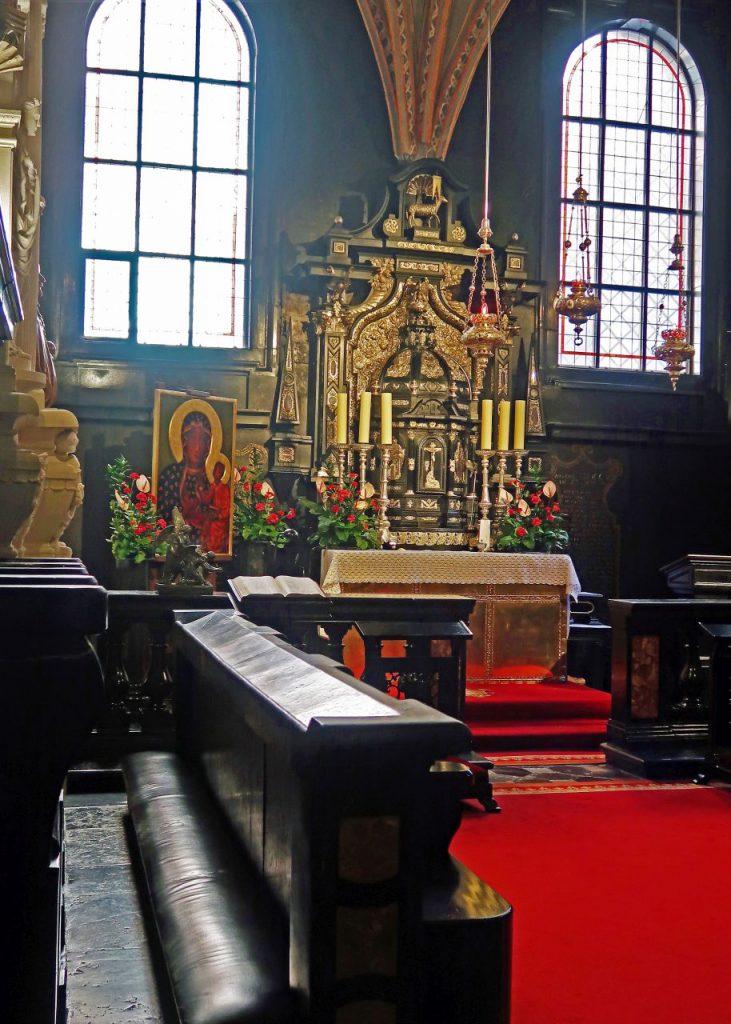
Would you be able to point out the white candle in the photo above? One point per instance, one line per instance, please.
(364, 423)
(519, 427)
(503, 426)
(342, 419)
(386, 418)
(486, 424)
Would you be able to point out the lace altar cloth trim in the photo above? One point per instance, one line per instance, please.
(341, 568)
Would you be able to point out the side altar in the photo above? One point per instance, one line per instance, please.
(520, 621)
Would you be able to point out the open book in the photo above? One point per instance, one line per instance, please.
(269, 586)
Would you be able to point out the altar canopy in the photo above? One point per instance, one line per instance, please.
(520, 621)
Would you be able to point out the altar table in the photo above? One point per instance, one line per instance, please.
(520, 621)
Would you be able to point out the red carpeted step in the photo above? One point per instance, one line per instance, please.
(500, 701)
(557, 734)
(621, 903)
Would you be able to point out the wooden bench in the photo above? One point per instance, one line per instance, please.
(296, 846)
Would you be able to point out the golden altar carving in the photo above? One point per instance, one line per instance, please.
(520, 621)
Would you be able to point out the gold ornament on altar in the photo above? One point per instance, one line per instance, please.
(675, 350)
(427, 189)
(581, 302)
(485, 331)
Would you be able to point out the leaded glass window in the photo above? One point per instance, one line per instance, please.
(631, 110)
(167, 173)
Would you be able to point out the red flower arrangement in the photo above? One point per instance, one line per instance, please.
(343, 518)
(135, 523)
(533, 521)
(257, 514)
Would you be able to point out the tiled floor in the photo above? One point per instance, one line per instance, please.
(111, 966)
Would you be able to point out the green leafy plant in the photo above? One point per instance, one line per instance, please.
(257, 514)
(135, 523)
(343, 519)
(533, 521)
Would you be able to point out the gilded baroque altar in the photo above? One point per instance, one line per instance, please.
(378, 306)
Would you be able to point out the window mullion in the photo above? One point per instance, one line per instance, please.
(600, 185)
(135, 268)
(194, 172)
(644, 304)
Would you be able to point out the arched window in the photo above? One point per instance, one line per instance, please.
(630, 167)
(167, 172)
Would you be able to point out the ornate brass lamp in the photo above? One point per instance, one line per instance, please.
(676, 350)
(485, 331)
(581, 302)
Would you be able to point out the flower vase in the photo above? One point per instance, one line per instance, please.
(258, 559)
(130, 575)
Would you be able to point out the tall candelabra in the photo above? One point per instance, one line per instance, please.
(362, 451)
(383, 526)
(341, 451)
(483, 530)
(493, 510)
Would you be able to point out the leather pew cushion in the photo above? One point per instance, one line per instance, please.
(224, 940)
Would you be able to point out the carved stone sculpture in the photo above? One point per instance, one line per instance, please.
(27, 214)
(62, 494)
(21, 472)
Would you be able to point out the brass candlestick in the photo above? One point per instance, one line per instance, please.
(363, 451)
(483, 530)
(520, 454)
(382, 522)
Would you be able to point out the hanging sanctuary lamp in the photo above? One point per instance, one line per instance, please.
(580, 302)
(485, 331)
(675, 350)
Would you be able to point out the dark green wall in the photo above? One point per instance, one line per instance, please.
(322, 131)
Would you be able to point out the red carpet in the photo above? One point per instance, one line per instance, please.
(537, 716)
(622, 903)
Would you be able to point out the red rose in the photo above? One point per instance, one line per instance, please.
(335, 508)
(243, 469)
(549, 517)
(511, 512)
(353, 476)
(343, 495)
(273, 518)
(126, 489)
(534, 499)
(556, 507)
(351, 518)
(535, 521)
(141, 499)
(139, 530)
(247, 487)
(152, 499)
(291, 514)
(161, 523)
(374, 503)
(260, 506)
(521, 531)
(257, 486)
(134, 476)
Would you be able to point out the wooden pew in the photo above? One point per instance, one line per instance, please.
(51, 691)
(317, 885)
